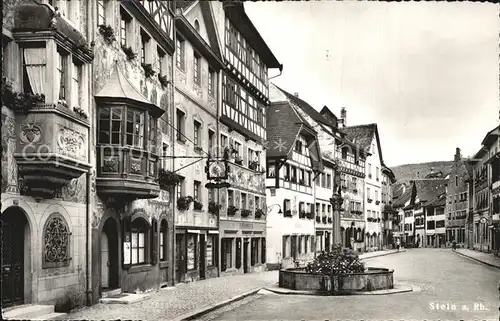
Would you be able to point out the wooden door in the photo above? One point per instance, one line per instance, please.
(12, 259)
(180, 257)
(203, 250)
(245, 256)
(105, 264)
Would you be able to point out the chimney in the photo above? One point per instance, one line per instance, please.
(343, 116)
(296, 94)
(458, 156)
(418, 175)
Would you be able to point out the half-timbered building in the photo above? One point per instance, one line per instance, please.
(292, 165)
(242, 131)
(198, 63)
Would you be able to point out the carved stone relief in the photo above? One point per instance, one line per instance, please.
(30, 133)
(70, 142)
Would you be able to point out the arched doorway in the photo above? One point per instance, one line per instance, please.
(109, 256)
(16, 261)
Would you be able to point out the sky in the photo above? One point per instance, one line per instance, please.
(426, 72)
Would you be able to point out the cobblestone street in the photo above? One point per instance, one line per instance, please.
(171, 302)
(447, 280)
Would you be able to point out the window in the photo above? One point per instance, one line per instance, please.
(139, 236)
(192, 250)
(75, 90)
(211, 82)
(227, 253)
(196, 190)
(294, 174)
(456, 180)
(196, 25)
(161, 64)
(211, 135)
(344, 153)
(211, 195)
(125, 20)
(135, 128)
(210, 250)
(376, 173)
(223, 140)
(196, 134)
(243, 201)
(180, 187)
(163, 240)
(368, 195)
(110, 125)
(180, 126)
(328, 181)
(61, 68)
(271, 170)
(369, 170)
(56, 246)
(230, 198)
(298, 146)
(196, 68)
(152, 134)
(286, 205)
(237, 147)
(144, 46)
(101, 12)
(179, 53)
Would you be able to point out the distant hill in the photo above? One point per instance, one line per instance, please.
(408, 172)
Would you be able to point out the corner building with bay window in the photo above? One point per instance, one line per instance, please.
(241, 136)
(198, 63)
(132, 219)
(46, 135)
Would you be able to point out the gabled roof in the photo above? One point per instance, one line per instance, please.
(363, 136)
(183, 4)
(389, 173)
(284, 125)
(428, 189)
(308, 109)
(439, 200)
(235, 11)
(405, 197)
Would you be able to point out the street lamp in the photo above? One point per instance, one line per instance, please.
(270, 208)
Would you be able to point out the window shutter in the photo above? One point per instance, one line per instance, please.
(263, 252)
(238, 253)
(127, 237)
(154, 242)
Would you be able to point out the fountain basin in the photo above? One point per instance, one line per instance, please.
(372, 279)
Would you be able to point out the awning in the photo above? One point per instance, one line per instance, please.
(194, 231)
(213, 232)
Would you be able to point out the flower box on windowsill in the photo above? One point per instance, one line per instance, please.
(131, 55)
(323, 219)
(302, 214)
(245, 213)
(287, 213)
(301, 182)
(19, 101)
(259, 213)
(330, 220)
(318, 219)
(253, 165)
(238, 160)
(167, 178)
(310, 215)
(231, 210)
(214, 208)
(377, 202)
(108, 33)
(198, 206)
(184, 202)
(148, 70)
(163, 80)
(370, 200)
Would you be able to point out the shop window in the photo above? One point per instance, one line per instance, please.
(56, 242)
(163, 240)
(139, 229)
(192, 250)
(227, 253)
(211, 250)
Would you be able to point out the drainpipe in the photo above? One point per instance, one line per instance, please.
(172, 130)
(88, 245)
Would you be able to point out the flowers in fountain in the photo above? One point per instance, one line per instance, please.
(335, 262)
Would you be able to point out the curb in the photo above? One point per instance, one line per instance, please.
(366, 258)
(315, 293)
(477, 260)
(209, 308)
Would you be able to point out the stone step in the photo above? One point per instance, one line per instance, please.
(52, 316)
(110, 293)
(28, 311)
(125, 298)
